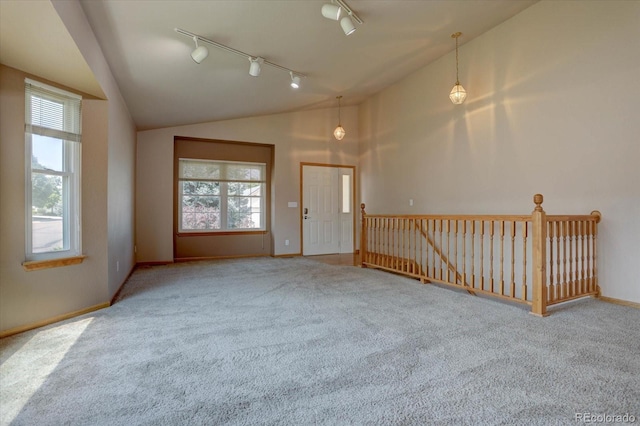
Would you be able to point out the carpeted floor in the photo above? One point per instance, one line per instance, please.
(272, 341)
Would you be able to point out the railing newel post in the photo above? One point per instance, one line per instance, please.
(539, 243)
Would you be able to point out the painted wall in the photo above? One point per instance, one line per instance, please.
(551, 109)
(121, 148)
(298, 137)
(108, 171)
(30, 297)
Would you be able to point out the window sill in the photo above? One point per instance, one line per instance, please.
(214, 233)
(35, 265)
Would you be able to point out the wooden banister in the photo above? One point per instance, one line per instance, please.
(471, 255)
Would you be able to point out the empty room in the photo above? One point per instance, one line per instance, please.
(319, 212)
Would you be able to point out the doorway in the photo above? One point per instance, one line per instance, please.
(328, 218)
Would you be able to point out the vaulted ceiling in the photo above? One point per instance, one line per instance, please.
(163, 86)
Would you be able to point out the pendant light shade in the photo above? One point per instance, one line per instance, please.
(457, 94)
(339, 132)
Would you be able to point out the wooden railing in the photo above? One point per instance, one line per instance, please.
(533, 259)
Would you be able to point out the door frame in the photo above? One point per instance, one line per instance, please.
(353, 200)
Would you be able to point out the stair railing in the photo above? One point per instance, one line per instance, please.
(536, 259)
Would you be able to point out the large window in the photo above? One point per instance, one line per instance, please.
(220, 196)
(52, 137)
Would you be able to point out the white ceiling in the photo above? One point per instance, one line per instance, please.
(163, 87)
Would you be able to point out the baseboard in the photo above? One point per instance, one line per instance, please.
(117, 293)
(619, 302)
(154, 263)
(288, 255)
(23, 328)
(239, 256)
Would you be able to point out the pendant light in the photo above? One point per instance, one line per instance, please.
(458, 94)
(339, 132)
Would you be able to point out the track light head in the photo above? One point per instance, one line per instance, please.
(200, 53)
(331, 11)
(347, 25)
(295, 80)
(256, 65)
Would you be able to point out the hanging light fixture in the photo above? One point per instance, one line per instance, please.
(200, 53)
(339, 132)
(458, 94)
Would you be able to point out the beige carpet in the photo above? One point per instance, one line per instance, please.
(295, 342)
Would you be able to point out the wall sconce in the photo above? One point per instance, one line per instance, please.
(458, 94)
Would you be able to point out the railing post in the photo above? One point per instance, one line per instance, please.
(539, 230)
(363, 237)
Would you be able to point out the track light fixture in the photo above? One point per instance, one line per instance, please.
(256, 66)
(339, 132)
(331, 11)
(458, 94)
(200, 53)
(256, 62)
(295, 80)
(337, 8)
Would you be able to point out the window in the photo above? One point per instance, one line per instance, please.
(52, 139)
(220, 196)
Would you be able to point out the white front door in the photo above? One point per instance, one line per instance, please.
(327, 213)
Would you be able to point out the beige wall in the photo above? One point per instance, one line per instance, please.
(298, 137)
(552, 108)
(120, 156)
(108, 170)
(29, 297)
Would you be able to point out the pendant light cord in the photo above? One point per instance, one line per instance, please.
(456, 35)
(339, 120)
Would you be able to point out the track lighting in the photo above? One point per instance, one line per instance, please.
(200, 53)
(347, 25)
(331, 11)
(256, 66)
(295, 80)
(337, 8)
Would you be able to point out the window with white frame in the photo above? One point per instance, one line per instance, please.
(221, 196)
(52, 139)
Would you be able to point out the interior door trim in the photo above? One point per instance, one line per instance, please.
(353, 200)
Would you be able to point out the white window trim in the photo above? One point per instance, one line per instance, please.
(72, 159)
(224, 199)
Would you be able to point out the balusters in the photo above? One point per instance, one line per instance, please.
(565, 282)
(559, 283)
(589, 242)
(448, 246)
(523, 296)
(482, 254)
(455, 250)
(551, 288)
(464, 252)
(491, 232)
(583, 280)
(502, 258)
(513, 259)
(473, 249)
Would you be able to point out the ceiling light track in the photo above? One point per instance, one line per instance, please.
(255, 61)
(334, 11)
